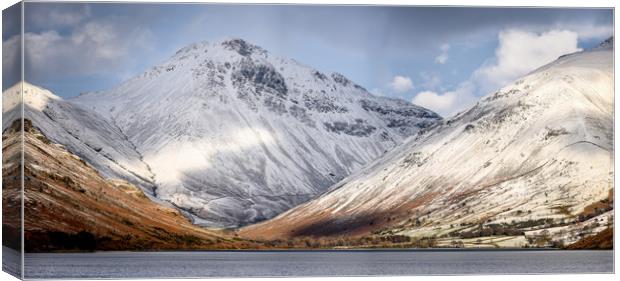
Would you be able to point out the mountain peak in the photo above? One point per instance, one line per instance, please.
(241, 46)
(34, 96)
(221, 49)
(223, 102)
(24, 85)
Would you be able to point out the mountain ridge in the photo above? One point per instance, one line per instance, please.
(506, 161)
(87, 134)
(69, 206)
(233, 135)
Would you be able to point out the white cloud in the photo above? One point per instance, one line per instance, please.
(11, 62)
(520, 52)
(401, 84)
(93, 47)
(594, 31)
(586, 30)
(448, 103)
(443, 56)
(434, 101)
(59, 16)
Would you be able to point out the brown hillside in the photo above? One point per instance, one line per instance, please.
(603, 240)
(69, 206)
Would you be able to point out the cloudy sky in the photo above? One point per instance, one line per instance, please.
(441, 58)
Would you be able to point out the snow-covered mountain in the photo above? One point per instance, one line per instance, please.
(64, 195)
(234, 135)
(85, 133)
(538, 150)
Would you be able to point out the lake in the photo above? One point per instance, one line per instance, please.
(313, 263)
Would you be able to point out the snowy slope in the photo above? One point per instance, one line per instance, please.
(541, 147)
(235, 135)
(86, 134)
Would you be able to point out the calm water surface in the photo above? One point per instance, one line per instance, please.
(312, 263)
